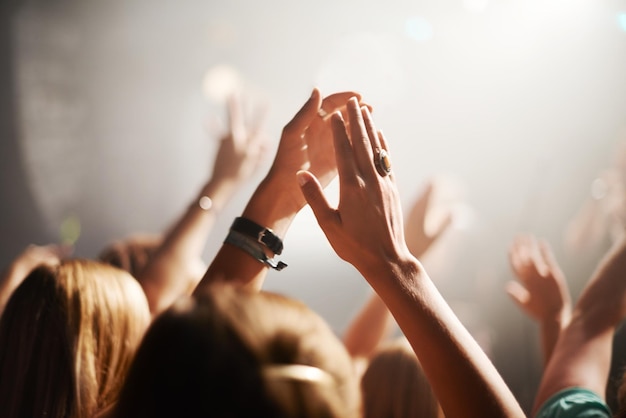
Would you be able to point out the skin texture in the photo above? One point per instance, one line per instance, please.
(372, 324)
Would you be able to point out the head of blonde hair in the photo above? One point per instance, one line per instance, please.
(232, 353)
(395, 386)
(67, 337)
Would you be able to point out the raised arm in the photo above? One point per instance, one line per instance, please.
(582, 355)
(366, 230)
(541, 291)
(177, 266)
(372, 324)
(306, 143)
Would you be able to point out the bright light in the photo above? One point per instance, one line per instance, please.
(220, 82)
(621, 18)
(419, 29)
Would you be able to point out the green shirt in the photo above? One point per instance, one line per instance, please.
(574, 403)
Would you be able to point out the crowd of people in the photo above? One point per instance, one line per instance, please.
(149, 330)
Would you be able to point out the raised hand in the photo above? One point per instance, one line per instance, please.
(418, 238)
(242, 148)
(306, 144)
(367, 224)
(541, 291)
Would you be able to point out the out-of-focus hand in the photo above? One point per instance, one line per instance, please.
(306, 144)
(34, 255)
(418, 238)
(366, 228)
(24, 263)
(541, 291)
(242, 148)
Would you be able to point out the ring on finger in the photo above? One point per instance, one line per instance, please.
(382, 162)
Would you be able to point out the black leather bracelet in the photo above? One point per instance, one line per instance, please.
(253, 248)
(258, 233)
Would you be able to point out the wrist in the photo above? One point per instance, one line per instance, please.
(404, 271)
(220, 191)
(270, 207)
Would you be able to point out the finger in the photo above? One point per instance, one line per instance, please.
(443, 227)
(536, 258)
(372, 133)
(346, 166)
(422, 202)
(518, 293)
(383, 144)
(313, 194)
(235, 121)
(549, 259)
(255, 137)
(305, 115)
(336, 101)
(361, 142)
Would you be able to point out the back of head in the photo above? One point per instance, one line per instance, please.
(233, 353)
(131, 254)
(67, 337)
(394, 385)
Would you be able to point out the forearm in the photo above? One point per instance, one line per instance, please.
(463, 378)
(581, 358)
(368, 328)
(267, 207)
(550, 329)
(173, 270)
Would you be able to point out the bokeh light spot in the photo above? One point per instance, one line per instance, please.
(70, 230)
(220, 82)
(621, 18)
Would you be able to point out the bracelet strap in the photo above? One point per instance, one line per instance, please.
(258, 233)
(246, 244)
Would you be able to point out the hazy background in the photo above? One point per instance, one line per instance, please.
(515, 105)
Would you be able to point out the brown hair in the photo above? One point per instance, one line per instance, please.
(394, 385)
(67, 337)
(226, 353)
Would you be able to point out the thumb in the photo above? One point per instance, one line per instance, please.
(518, 293)
(313, 194)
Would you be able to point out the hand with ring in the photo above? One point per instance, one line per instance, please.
(367, 225)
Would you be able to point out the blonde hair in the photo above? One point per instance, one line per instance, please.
(230, 352)
(67, 338)
(394, 385)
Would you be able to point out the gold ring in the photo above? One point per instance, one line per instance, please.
(382, 162)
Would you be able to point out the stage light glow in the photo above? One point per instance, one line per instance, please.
(476, 6)
(220, 82)
(621, 18)
(419, 29)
